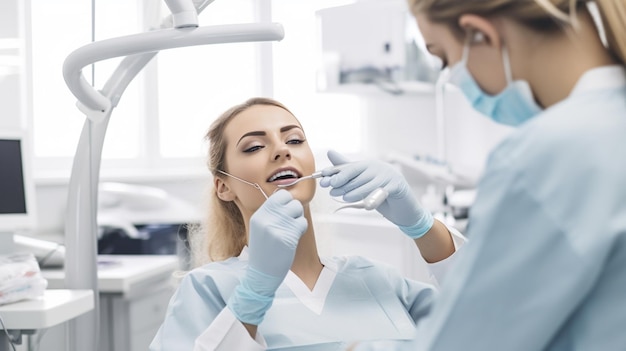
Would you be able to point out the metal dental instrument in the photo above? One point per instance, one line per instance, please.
(371, 202)
(255, 185)
(317, 174)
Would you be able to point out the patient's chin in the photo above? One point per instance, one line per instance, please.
(303, 192)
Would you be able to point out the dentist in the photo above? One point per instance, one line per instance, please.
(545, 268)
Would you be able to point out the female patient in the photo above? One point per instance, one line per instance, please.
(267, 287)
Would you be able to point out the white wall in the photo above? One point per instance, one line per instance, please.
(469, 135)
(407, 125)
(13, 77)
(400, 123)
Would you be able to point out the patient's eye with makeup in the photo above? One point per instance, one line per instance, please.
(252, 148)
(295, 137)
(296, 141)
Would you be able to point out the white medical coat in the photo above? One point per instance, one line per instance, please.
(353, 299)
(545, 267)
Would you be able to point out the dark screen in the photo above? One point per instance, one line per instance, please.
(12, 195)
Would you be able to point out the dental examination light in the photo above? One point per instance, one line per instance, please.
(180, 29)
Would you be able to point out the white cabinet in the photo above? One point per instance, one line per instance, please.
(146, 317)
(133, 322)
(134, 294)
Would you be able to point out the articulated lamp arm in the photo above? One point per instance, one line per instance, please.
(137, 50)
(151, 43)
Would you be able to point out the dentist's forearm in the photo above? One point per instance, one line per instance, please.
(436, 244)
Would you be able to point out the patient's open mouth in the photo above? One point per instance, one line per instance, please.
(283, 175)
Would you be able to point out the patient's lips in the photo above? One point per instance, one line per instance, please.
(284, 176)
(293, 181)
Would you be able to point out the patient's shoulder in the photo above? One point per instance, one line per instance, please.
(228, 267)
(214, 278)
(226, 272)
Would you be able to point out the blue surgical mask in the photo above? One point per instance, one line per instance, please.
(512, 106)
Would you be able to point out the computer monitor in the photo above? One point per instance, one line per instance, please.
(17, 206)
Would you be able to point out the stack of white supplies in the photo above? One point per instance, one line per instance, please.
(20, 278)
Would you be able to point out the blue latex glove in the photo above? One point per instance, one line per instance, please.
(275, 230)
(355, 180)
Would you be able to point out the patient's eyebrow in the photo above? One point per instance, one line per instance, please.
(254, 133)
(262, 133)
(289, 127)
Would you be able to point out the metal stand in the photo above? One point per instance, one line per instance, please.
(15, 337)
(7, 244)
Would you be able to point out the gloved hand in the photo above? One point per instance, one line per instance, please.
(275, 230)
(355, 180)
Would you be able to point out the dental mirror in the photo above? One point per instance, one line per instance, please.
(255, 185)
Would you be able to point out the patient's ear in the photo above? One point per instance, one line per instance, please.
(223, 191)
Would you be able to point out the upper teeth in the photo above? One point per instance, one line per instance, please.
(283, 174)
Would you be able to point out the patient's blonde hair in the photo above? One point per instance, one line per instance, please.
(542, 15)
(223, 234)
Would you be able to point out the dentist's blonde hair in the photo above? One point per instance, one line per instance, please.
(543, 15)
(223, 233)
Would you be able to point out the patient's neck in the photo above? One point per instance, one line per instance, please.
(306, 264)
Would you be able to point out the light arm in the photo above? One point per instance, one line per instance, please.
(81, 213)
(184, 13)
(153, 42)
